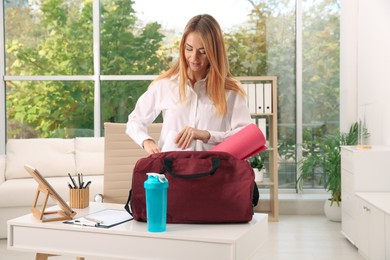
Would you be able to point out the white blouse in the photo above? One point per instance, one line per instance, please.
(197, 112)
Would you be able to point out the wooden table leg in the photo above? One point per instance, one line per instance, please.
(41, 256)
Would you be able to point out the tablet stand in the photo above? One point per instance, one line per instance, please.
(52, 215)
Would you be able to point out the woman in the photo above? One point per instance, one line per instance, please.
(199, 99)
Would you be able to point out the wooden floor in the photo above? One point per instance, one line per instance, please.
(293, 237)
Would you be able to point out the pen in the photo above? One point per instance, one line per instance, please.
(86, 185)
(71, 178)
(70, 186)
(97, 221)
(78, 222)
(82, 181)
(79, 179)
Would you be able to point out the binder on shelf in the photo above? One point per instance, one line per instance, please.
(245, 86)
(262, 124)
(251, 98)
(267, 98)
(259, 98)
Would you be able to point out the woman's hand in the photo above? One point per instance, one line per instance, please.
(185, 137)
(151, 147)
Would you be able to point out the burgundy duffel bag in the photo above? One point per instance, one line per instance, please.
(204, 187)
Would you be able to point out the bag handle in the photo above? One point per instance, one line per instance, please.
(168, 166)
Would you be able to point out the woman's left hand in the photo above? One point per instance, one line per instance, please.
(185, 137)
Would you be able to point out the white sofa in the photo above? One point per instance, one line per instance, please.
(54, 158)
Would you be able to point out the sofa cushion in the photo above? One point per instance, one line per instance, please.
(26, 190)
(51, 156)
(89, 155)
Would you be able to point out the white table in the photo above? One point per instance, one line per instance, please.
(132, 241)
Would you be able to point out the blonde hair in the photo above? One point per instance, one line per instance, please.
(219, 77)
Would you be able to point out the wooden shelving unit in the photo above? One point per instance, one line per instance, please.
(268, 205)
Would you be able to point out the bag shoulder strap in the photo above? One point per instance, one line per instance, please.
(256, 195)
(127, 207)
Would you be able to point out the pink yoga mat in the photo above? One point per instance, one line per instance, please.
(244, 144)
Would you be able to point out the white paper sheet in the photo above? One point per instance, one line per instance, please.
(169, 144)
(105, 218)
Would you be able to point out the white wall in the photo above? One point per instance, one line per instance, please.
(365, 66)
(348, 63)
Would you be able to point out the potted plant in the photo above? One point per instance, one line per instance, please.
(326, 155)
(257, 163)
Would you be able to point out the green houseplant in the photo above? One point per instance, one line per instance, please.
(257, 163)
(326, 155)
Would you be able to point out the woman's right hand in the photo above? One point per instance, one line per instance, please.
(151, 147)
(185, 137)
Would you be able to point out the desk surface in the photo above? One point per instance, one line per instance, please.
(377, 199)
(131, 240)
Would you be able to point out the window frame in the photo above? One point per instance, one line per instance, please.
(98, 78)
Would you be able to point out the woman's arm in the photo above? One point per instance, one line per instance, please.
(144, 113)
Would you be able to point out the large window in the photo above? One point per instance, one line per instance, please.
(48, 37)
(71, 65)
(36, 115)
(320, 78)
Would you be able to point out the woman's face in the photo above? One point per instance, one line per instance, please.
(195, 55)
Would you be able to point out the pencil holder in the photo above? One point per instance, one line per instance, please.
(79, 198)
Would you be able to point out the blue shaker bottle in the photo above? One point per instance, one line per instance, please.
(156, 191)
